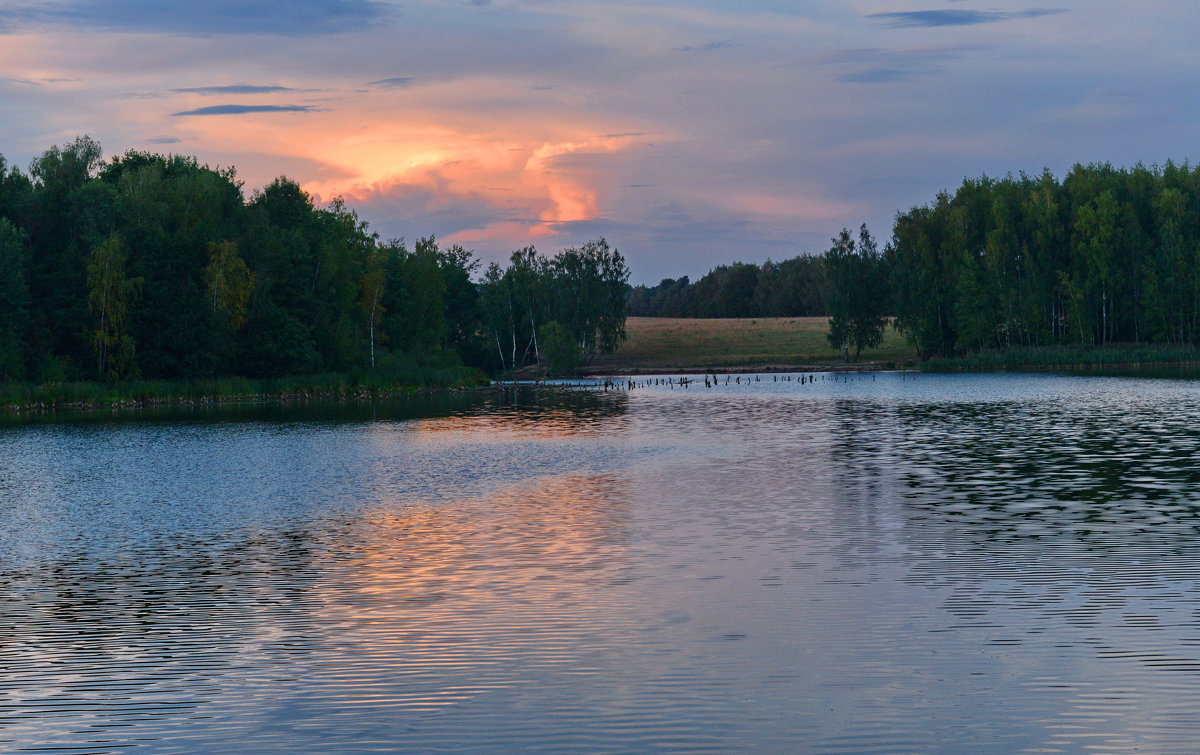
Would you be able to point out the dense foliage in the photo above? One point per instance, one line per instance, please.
(562, 310)
(858, 295)
(793, 288)
(157, 267)
(1103, 256)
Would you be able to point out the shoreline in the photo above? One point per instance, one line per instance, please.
(163, 402)
(51, 398)
(1075, 358)
(178, 395)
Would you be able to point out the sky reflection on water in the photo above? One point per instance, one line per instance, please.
(882, 563)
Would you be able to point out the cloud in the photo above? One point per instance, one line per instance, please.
(815, 104)
(244, 109)
(432, 203)
(44, 81)
(397, 82)
(164, 140)
(719, 44)
(878, 66)
(934, 18)
(879, 76)
(290, 18)
(235, 89)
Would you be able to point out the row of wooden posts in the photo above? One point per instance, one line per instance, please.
(712, 380)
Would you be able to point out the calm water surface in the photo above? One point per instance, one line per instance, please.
(886, 563)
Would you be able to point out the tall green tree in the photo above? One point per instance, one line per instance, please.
(371, 288)
(858, 297)
(580, 296)
(110, 294)
(14, 301)
(591, 282)
(67, 217)
(229, 283)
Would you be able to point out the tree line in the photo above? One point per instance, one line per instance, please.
(797, 287)
(1104, 256)
(156, 266)
(560, 311)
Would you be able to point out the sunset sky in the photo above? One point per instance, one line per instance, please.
(688, 133)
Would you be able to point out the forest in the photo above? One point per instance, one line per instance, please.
(149, 266)
(1104, 259)
(1104, 256)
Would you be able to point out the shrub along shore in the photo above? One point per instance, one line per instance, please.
(1130, 356)
(29, 398)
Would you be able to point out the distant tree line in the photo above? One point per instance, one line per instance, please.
(797, 287)
(154, 266)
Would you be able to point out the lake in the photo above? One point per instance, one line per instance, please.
(866, 563)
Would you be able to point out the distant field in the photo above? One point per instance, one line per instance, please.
(664, 342)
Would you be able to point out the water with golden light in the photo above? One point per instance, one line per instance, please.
(872, 563)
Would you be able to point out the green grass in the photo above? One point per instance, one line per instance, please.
(665, 343)
(49, 396)
(1069, 357)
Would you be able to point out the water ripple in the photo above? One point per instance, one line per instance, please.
(870, 563)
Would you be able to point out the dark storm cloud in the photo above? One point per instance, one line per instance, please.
(274, 17)
(244, 109)
(933, 18)
(235, 89)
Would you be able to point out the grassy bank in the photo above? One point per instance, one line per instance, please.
(27, 397)
(662, 343)
(1070, 358)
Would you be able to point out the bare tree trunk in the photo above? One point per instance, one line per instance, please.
(1103, 317)
(100, 347)
(374, 311)
(533, 328)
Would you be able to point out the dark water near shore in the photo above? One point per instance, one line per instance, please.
(983, 563)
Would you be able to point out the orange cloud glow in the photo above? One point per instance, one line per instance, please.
(516, 165)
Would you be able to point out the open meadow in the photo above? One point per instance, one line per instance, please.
(697, 343)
